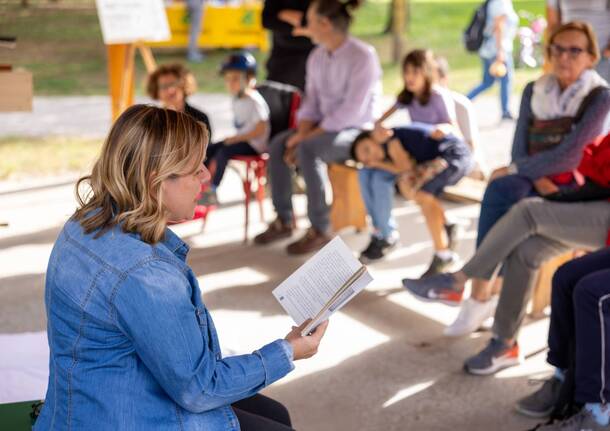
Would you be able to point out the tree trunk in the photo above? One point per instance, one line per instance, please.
(407, 11)
(398, 17)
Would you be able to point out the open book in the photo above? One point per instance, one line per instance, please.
(322, 285)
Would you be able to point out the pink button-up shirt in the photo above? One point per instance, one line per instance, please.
(343, 88)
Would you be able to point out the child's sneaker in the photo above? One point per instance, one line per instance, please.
(377, 249)
(440, 264)
(493, 358)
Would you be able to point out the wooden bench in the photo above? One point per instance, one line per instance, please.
(348, 207)
(466, 190)
(541, 297)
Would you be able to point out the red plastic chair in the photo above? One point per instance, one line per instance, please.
(255, 174)
(202, 212)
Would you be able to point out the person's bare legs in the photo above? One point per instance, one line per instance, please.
(435, 219)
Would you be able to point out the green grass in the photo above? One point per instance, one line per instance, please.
(21, 157)
(61, 44)
(437, 25)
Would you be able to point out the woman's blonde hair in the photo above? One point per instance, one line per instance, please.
(186, 79)
(145, 146)
(583, 27)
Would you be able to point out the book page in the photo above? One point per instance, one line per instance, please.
(359, 284)
(304, 293)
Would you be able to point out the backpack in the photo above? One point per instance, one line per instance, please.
(473, 35)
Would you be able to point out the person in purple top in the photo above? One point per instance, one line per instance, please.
(425, 100)
(427, 103)
(343, 87)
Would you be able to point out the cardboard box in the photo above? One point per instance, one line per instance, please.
(16, 90)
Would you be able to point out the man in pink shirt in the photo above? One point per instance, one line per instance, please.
(343, 88)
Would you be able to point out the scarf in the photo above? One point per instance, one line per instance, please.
(549, 102)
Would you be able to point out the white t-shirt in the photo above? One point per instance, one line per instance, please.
(248, 111)
(495, 9)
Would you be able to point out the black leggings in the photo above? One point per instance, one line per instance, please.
(261, 413)
(580, 319)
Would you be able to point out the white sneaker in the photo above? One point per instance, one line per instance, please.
(472, 315)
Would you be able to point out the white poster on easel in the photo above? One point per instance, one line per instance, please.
(128, 21)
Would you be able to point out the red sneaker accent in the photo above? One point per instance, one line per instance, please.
(513, 352)
(450, 296)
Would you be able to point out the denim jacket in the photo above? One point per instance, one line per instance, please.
(132, 345)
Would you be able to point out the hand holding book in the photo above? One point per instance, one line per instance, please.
(324, 284)
(304, 347)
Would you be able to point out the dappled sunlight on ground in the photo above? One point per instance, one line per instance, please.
(384, 363)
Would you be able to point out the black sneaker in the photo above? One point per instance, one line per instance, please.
(439, 265)
(377, 249)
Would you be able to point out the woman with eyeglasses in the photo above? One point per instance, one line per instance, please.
(561, 112)
(171, 84)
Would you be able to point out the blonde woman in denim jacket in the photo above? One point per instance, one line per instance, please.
(133, 347)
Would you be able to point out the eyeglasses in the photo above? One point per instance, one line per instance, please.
(168, 85)
(557, 50)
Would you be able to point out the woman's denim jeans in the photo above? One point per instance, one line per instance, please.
(500, 195)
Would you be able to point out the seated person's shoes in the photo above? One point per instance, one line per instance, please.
(541, 403)
(437, 288)
(312, 240)
(581, 421)
(472, 316)
(275, 231)
(440, 265)
(377, 249)
(496, 356)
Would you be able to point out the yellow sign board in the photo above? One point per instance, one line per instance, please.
(224, 26)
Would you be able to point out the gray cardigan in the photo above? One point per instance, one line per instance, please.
(566, 156)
